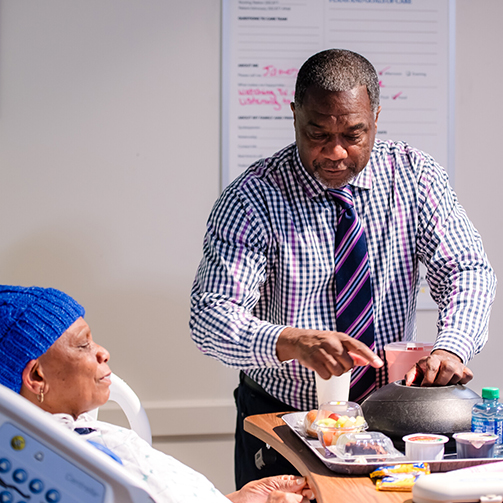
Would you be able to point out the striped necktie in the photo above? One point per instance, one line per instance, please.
(353, 306)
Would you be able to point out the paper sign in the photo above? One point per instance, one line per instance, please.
(266, 41)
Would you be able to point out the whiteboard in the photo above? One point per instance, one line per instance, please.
(264, 43)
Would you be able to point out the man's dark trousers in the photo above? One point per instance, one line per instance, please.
(251, 401)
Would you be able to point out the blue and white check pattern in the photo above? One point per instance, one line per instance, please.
(268, 263)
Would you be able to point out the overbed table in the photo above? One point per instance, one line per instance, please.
(329, 487)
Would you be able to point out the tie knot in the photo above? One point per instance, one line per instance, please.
(343, 196)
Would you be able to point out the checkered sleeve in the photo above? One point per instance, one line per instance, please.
(227, 286)
(460, 277)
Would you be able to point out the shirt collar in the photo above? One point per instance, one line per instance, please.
(313, 187)
(65, 420)
(69, 422)
(364, 178)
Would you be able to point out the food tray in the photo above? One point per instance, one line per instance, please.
(295, 420)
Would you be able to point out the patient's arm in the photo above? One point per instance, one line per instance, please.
(280, 489)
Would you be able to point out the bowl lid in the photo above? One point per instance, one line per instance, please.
(408, 346)
(397, 391)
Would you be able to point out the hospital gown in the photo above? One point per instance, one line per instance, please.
(168, 480)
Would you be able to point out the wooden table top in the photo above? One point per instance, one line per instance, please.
(329, 487)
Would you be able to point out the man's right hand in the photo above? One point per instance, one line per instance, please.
(327, 353)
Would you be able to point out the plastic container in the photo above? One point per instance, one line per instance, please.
(487, 416)
(336, 418)
(365, 447)
(402, 356)
(471, 444)
(424, 446)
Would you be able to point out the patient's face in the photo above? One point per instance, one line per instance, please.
(76, 372)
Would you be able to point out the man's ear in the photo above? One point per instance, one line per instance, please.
(377, 115)
(33, 378)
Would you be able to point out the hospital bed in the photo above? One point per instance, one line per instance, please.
(42, 462)
(121, 393)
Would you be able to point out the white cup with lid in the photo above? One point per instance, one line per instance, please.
(424, 446)
(335, 389)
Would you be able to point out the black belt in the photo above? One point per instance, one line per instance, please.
(250, 383)
(278, 405)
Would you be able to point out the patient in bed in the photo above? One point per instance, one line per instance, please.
(47, 354)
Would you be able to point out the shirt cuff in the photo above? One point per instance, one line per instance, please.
(456, 342)
(264, 347)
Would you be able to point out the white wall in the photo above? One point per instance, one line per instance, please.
(109, 154)
(479, 108)
(109, 151)
(479, 176)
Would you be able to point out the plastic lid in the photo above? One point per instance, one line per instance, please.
(490, 393)
(425, 438)
(409, 346)
(335, 418)
(365, 447)
(475, 438)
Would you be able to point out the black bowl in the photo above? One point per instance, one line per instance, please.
(397, 410)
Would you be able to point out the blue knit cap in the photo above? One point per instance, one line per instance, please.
(31, 320)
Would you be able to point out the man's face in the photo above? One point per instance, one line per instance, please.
(335, 133)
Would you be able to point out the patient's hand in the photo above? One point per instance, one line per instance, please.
(280, 489)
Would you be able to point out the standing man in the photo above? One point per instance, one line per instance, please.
(276, 284)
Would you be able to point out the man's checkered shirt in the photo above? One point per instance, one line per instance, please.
(268, 260)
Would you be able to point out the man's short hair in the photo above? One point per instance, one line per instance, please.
(337, 70)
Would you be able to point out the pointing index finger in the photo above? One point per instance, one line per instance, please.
(361, 353)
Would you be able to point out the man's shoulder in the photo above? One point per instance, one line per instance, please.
(265, 168)
(398, 151)
(259, 190)
(382, 147)
(264, 174)
(393, 161)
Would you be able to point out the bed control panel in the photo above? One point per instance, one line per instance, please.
(31, 472)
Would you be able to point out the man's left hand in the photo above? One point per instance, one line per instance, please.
(439, 369)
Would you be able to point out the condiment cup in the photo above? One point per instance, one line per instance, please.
(475, 445)
(424, 446)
